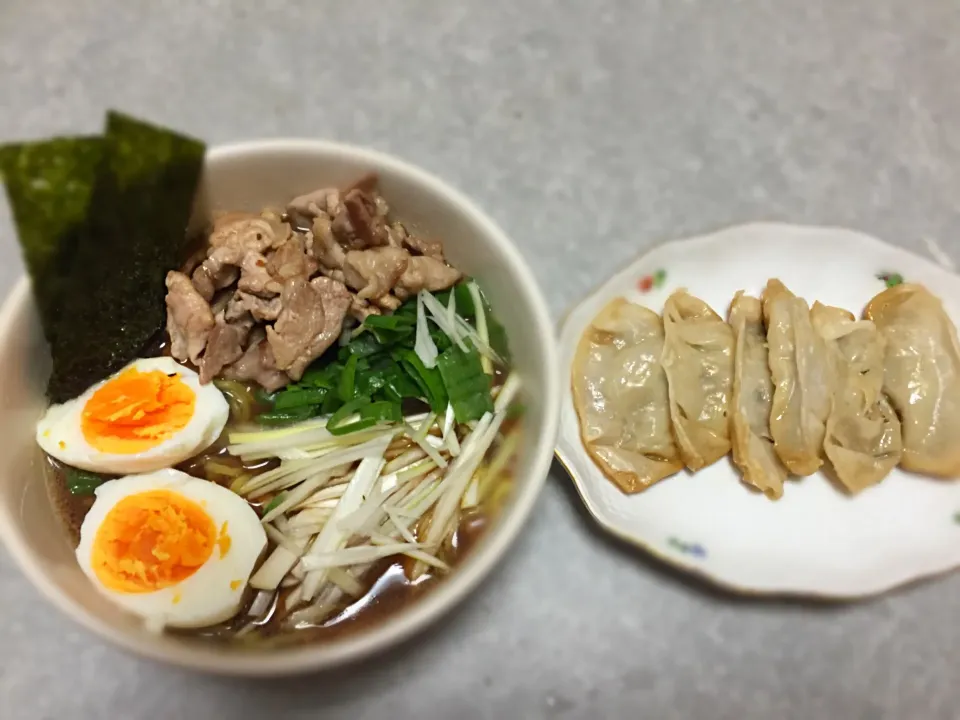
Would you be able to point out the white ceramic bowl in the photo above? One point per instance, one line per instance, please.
(247, 176)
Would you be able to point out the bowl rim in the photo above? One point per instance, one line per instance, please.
(298, 660)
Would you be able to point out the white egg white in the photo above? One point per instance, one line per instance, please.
(60, 434)
(214, 592)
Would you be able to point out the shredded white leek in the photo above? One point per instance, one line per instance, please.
(305, 468)
(481, 317)
(353, 556)
(414, 552)
(425, 445)
(508, 448)
(450, 432)
(471, 498)
(282, 540)
(345, 581)
(332, 537)
(403, 461)
(456, 480)
(440, 316)
(452, 311)
(326, 496)
(297, 495)
(308, 530)
(400, 526)
(274, 569)
(424, 346)
(507, 392)
(424, 428)
(290, 431)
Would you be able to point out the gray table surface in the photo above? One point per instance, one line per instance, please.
(590, 131)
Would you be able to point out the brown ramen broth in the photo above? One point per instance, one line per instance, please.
(387, 591)
(387, 586)
(420, 429)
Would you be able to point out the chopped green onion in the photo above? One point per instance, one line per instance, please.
(382, 411)
(429, 380)
(361, 345)
(299, 398)
(398, 385)
(352, 427)
(82, 482)
(467, 384)
(389, 322)
(275, 502)
(374, 377)
(348, 379)
(285, 417)
(337, 424)
(325, 377)
(330, 403)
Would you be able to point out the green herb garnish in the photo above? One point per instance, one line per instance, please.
(466, 382)
(285, 417)
(274, 502)
(428, 379)
(300, 397)
(382, 412)
(83, 482)
(379, 367)
(338, 423)
(348, 379)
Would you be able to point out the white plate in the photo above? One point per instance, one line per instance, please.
(813, 541)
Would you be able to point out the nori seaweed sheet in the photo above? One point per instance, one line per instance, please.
(49, 185)
(108, 298)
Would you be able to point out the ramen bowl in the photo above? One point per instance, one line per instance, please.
(249, 176)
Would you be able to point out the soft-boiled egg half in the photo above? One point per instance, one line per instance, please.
(152, 414)
(171, 548)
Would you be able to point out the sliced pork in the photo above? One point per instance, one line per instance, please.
(373, 273)
(311, 319)
(270, 291)
(425, 273)
(258, 365)
(189, 318)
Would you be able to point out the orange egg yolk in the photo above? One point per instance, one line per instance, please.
(136, 411)
(152, 540)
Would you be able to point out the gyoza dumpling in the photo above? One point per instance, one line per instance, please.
(921, 376)
(863, 432)
(802, 379)
(753, 450)
(698, 360)
(620, 394)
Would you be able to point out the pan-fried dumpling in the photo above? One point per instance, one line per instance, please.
(802, 378)
(753, 450)
(921, 376)
(863, 432)
(698, 360)
(620, 394)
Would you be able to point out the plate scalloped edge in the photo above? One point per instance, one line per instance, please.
(814, 542)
